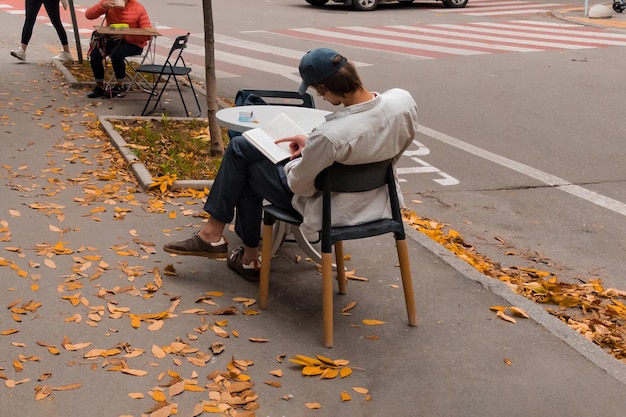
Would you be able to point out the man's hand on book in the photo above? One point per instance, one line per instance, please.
(296, 144)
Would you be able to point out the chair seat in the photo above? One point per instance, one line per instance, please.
(158, 69)
(290, 216)
(338, 233)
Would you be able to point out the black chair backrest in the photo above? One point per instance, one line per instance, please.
(353, 178)
(283, 98)
(179, 44)
(358, 178)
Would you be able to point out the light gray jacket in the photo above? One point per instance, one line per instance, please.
(377, 130)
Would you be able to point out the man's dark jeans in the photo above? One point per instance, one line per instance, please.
(246, 178)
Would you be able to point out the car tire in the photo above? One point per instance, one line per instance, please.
(317, 3)
(364, 5)
(457, 4)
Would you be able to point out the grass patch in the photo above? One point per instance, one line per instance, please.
(172, 147)
(165, 146)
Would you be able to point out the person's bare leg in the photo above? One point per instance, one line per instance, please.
(250, 254)
(212, 231)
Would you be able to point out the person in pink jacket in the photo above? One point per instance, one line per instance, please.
(117, 47)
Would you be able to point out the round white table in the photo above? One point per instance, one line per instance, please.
(305, 117)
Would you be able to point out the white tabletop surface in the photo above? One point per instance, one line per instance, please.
(305, 117)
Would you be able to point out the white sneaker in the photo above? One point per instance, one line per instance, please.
(64, 56)
(19, 54)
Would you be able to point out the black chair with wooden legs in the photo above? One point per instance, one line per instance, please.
(343, 179)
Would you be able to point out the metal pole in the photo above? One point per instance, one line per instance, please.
(586, 8)
(79, 49)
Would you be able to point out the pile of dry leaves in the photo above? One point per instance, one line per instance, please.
(598, 313)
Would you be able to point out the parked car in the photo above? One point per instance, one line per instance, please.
(367, 5)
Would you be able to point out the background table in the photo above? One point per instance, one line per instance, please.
(305, 117)
(106, 30)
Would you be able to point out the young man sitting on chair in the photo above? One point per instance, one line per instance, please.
(118, 47)
(371, 127)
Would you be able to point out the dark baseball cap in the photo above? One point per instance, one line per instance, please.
(317, 65)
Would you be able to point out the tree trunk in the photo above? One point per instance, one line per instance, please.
(217, 146)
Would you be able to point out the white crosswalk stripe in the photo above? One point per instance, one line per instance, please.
(257, 46)
(442, 40)
(535, 39)
(419, 36)
(382, 41)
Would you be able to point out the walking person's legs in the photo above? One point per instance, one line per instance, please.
(52, 8)
(32, 10)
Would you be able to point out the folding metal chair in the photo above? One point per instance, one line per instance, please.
(173, 67)
(343, 179)
(148, 57)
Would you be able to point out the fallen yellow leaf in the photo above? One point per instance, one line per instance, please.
(519, 312)
(372, 322)
(503, 316)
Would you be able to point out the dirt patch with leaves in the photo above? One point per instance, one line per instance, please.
(174, 148)
(83, 73)
(80, 70)
(597, 313)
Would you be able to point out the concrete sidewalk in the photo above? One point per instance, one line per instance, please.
(610, 18)
(67, 247)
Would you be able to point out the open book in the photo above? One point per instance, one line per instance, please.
(263, 138)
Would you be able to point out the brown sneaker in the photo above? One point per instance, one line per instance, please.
(250, 272)
(197, 247)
